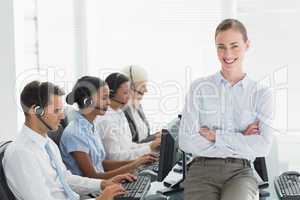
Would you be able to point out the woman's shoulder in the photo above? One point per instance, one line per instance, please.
(211, 79)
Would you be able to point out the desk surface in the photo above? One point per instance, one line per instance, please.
(273, 171)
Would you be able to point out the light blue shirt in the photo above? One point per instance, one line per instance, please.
(228, 110)
(80, 135)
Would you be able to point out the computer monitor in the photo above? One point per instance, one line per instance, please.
(176, 187)
(168, 154)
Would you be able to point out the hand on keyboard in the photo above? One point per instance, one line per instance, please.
(124, 177)
(111, 191)
(117, 179)
(135, 190)
(145, 159)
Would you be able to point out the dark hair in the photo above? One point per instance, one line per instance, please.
(232, 24)
(85, 87)
(39, 94)
(114, 81)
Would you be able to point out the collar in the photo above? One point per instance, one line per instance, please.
(83, 122)
(221, 80)
(112, 111)
(34, 136)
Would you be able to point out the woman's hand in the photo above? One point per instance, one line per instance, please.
(208, 134)
(252, 129)
(155, 144)
(123, 177)
(143, 160)
(117, 179)
(111, 191)
(158, 134)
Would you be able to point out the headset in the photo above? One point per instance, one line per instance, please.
(132, 85)
(87, 100)
(39, 109)
(114, 90)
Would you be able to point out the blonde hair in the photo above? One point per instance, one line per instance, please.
(135, 73)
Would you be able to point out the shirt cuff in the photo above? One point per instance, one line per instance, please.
(95, 185)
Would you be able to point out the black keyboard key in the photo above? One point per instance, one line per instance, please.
(136, 190)
(288, 187)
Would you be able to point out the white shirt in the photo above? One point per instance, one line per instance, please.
(115, 133)
(29, 172)
(142, 128)
(228, 110)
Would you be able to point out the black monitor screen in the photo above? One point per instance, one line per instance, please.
(168, 157)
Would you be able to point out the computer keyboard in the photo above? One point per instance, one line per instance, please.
(136, 190)
(287, 186)
(153, 167)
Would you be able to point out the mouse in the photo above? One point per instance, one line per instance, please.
(149, 173)
(156, 197)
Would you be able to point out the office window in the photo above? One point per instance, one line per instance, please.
(47, 43)
(273, 54)
(173, 40)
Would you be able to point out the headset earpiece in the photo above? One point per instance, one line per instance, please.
(87, 102)
(113, 90)
(111, 94)
(39, 111)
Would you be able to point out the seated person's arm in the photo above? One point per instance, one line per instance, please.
(114, 164)
(110, 192)
(85, 165)
(151, 137)
(25, 177)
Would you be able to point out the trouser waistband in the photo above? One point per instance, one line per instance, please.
(244, 162)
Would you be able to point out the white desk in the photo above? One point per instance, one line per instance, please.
(284, 156)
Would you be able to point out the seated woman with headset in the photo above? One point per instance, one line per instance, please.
(81, 148)
(113, 126)
(138, 123)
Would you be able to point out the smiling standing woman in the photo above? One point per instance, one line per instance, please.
(226, 124)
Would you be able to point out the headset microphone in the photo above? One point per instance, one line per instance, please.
(100, 109)
(120, 102)
(43, 122)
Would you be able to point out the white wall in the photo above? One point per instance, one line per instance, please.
(8, 116)
(173, 40)
(274, 53)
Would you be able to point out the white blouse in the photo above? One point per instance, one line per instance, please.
(115, 133)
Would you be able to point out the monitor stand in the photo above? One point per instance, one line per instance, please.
(176, 187)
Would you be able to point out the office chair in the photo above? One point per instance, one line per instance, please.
(69, 116)
(5, 192)
(261, 169)
(56, 135)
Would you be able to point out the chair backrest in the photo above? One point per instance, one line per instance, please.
(5, 193)
(261, 168)
(69, 116)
